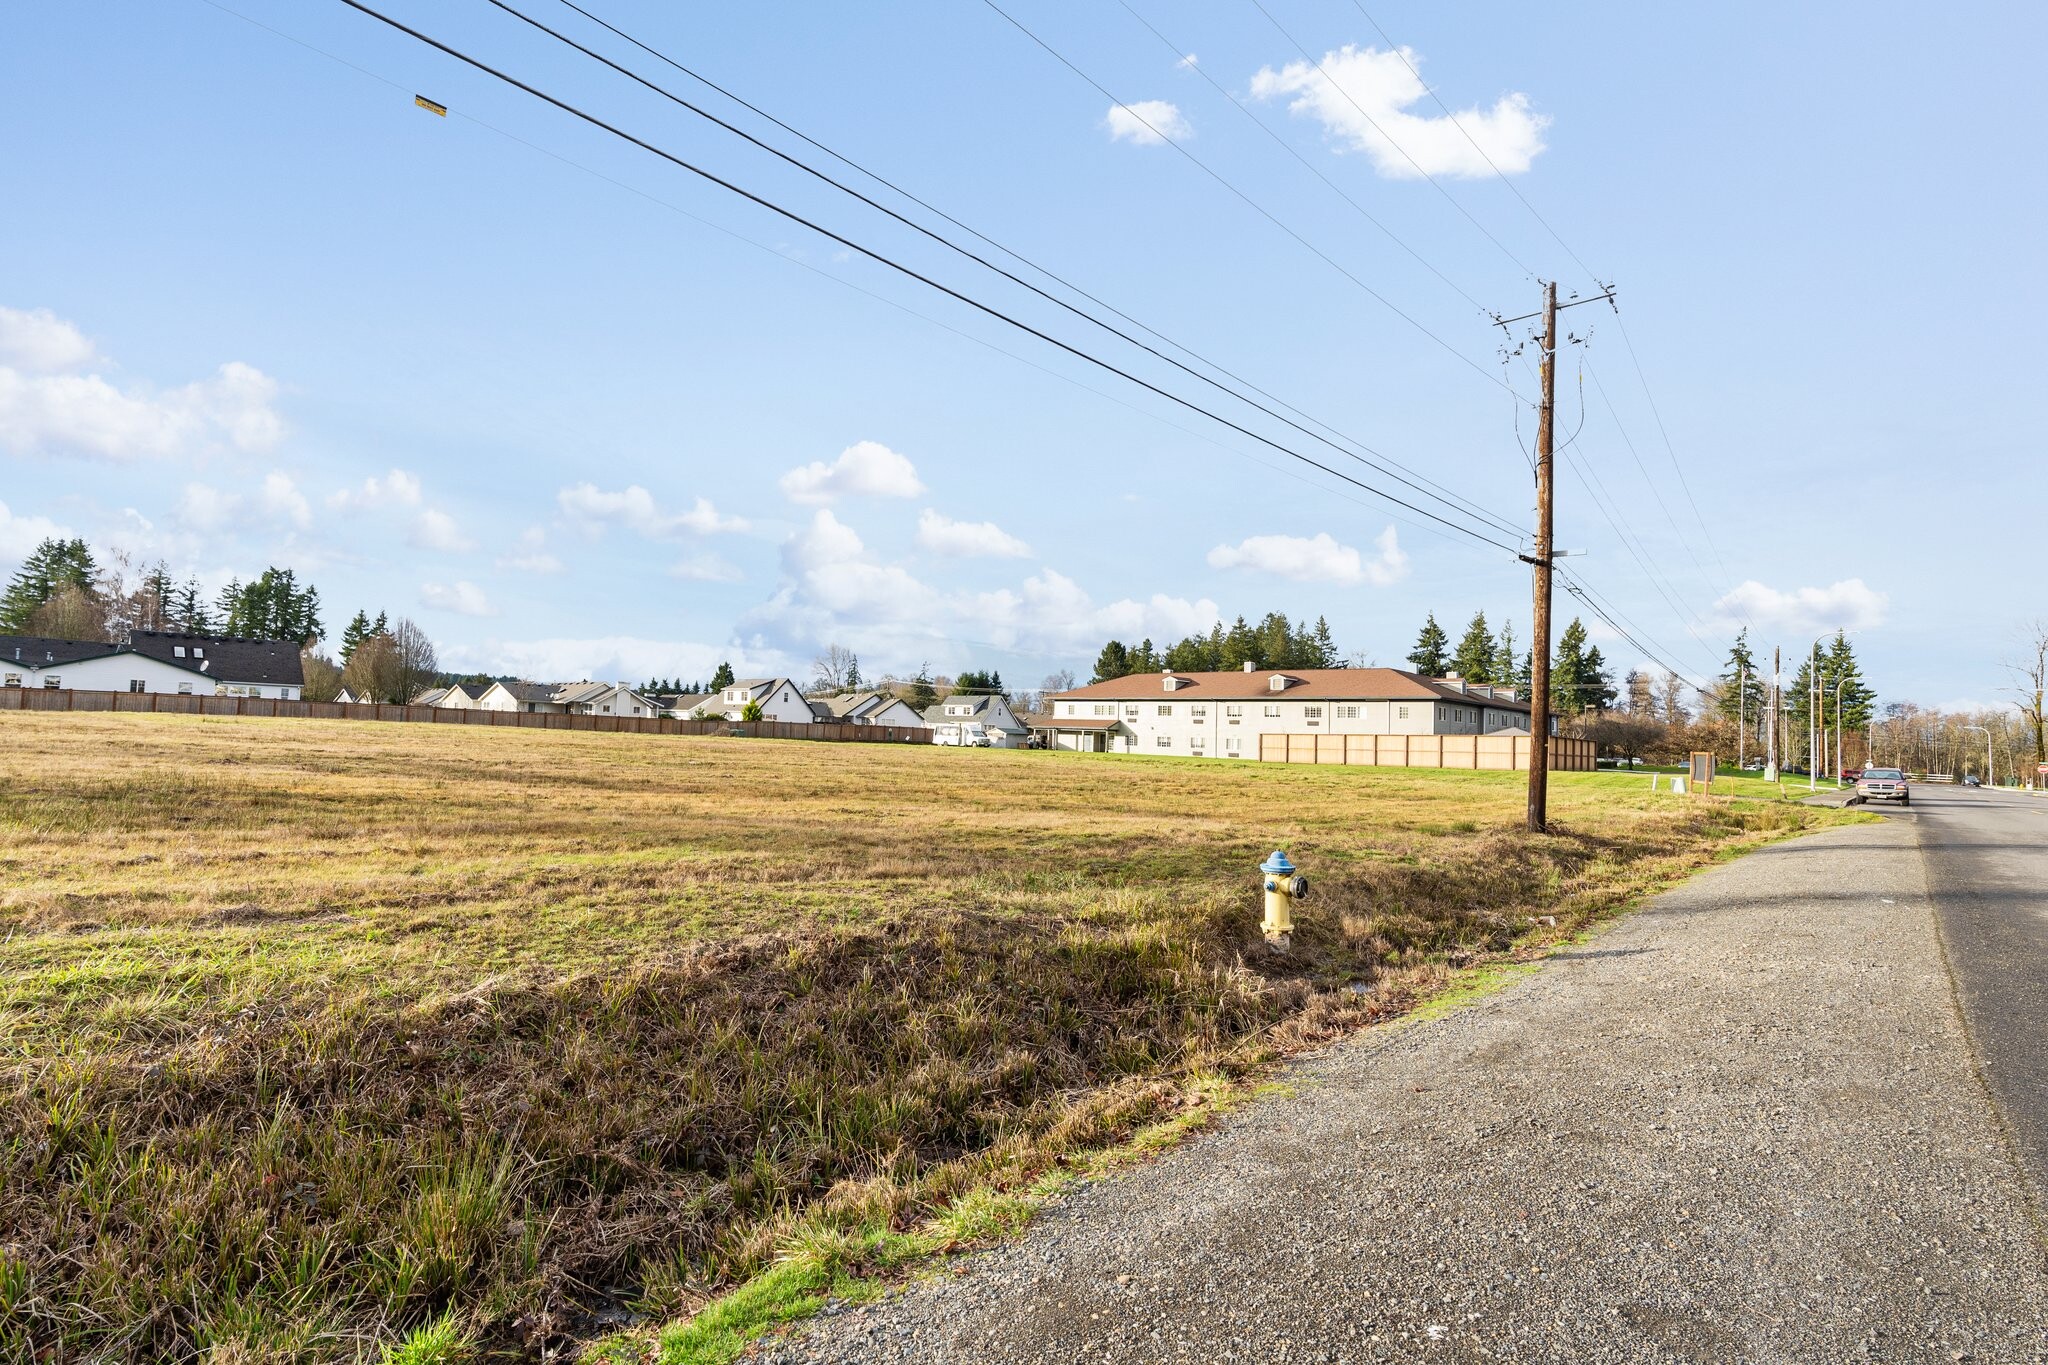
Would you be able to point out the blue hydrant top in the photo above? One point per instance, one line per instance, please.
(1277, 865)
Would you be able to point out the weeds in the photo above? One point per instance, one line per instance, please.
(338, 1042)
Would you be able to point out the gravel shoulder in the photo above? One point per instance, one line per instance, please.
(1740, 1125)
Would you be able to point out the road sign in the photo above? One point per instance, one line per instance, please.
(1702, 770)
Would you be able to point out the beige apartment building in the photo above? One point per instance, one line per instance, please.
(1222, 715)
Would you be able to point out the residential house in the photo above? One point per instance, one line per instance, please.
(529, 697)
(157, 661)
(610, 699)
(455, 697)
(1222, 715)
(780, 699)
(988, 710)
(866, 708)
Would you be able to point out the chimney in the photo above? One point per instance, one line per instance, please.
(1248, 666)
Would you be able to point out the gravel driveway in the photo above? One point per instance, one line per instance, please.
(1741, 1125)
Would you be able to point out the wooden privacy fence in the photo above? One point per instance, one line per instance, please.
(1499, 753)
(68, 699)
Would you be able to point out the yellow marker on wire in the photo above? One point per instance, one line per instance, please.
(423, 102)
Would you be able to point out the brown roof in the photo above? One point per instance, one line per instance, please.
(1310, 684)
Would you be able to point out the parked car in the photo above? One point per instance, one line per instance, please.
(1971, 781)
(1884, 784)
(970, 735)
(1851, 774)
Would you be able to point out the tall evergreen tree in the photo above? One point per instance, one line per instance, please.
(1578, 674)
(1326, 646)
(52, 566)
(1428, 657)
(1504, 671)
(227, 606)
(720, 680)
(922, 694)
(1143, 659)
(1113, 662)
(1742, 693)
(1474, 660)
(354, 633)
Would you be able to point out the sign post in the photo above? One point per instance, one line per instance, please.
(1702, 771)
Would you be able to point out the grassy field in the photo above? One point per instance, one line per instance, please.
(341, 1041)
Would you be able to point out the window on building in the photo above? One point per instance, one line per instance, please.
(1232, 713)
(1198, 742)
(1404, 713)
(177, 651)
(1130, 713)
(184, 689)
(1165, 741)
(13, 680)
(1165, 710)
(137, 685)
(198, 653)
(1105, 708)
(1200, 713)
(1311, 713)
(1347, 713)
(53, 681)
(1232, 744)
(1272, 711)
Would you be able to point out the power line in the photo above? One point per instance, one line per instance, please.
(827, 275)
(1306, 164)
(905, 270)
(1449, 198)
(1397, 472)
(1398, 51)
(1614, 619)
(1253, 204)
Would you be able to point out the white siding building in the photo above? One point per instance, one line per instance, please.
(1222, 715)
(156, 661)
(989, 711)
(780, 700)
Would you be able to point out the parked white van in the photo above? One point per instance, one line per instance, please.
(963, 735)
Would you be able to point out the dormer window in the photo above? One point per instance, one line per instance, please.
(198, 653)
(177, 651)
(1277, 683)
(1172, 682)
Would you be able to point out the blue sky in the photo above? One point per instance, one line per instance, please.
(579, 413)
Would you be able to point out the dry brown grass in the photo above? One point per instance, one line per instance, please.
(318, 1032)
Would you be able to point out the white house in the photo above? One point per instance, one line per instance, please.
(867, 708)
(988, 710)
(530, 697)
(780, 700)
(610, 699)
(156, 661)
(1221, 715)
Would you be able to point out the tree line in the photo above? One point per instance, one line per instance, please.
(63, 590)
(1275, 642)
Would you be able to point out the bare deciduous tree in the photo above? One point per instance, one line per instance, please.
(2030, 685)
(416, 663)
(832, 670)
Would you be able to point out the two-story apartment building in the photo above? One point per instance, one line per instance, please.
(1222, 715)
(157, 661)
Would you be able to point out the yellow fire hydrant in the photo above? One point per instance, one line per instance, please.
(1283, 888)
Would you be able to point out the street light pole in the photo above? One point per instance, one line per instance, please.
(1840, 762)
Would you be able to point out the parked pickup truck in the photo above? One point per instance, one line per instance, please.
(1883, 784)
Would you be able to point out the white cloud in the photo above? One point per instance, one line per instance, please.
(462, 597)
(1189, 62)
(1850, 604)
(1148, 123)
(967, 539)
(834, 589)
(706, 568)
(396, 489)
(634, 508)
(39, 342)
(436, 530)
(867, 467)
(20, 535)
(1358, 88)
(84, 414)
(1316, 559)
(276, 501)
(531, 554)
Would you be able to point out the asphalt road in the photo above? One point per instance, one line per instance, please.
(1987, 870)
(1746, 1124)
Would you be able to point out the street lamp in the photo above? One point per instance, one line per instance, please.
(1990, 777)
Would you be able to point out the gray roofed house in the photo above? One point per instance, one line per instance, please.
(38, 650)
(986, 709)
(866, 708)
(233, 661)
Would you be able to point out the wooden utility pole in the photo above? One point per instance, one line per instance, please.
(1539, 656)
